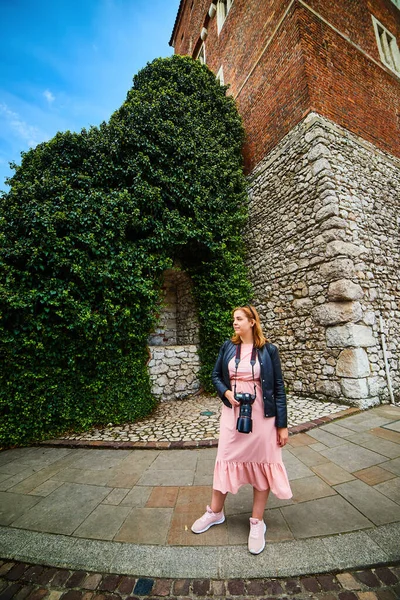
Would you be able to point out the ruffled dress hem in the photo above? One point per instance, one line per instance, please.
(229, 476)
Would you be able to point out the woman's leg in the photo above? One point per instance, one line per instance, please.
(259, 503)
(217, 501)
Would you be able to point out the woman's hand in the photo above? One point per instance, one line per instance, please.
(282, 435)
(229, 395)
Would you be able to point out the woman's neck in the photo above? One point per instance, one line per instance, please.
(247, 339)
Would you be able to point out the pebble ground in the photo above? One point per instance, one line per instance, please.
(195, 419)
(22, 581)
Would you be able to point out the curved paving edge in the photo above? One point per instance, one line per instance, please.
(176, 445)
(360, 549)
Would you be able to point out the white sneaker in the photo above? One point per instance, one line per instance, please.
(257, 536)
(209, 519)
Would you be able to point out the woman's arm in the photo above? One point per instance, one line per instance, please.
(279, 389)
(223, 391)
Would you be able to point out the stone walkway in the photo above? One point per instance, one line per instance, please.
(187, 423)
(129, 512)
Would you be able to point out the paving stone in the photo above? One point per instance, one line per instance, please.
(292, 586)
(201, 587)
(163, 497)
(348, 595)
(46, 576)
(368, 578)
(54, 595)
(92, 581)
(17, 572)
(391, 489)
(33, 573)
(126, 585)
(38, 594)
(386, 595)
(311, 584)
(181, 588)
(60, 578)
(253, 588)
(109, 583)
(386, 575)
(348, 581)
(328, 583)
(63, 510)
(104, 522)
(332, 474)
(72, 595)
(367, 596)
(374, 475)
(310, 488)
(10, 592)
(162, 587)
(273, 587)
(139, 526)
(116, 496)
(76, 579)
(14, 506)
(323, 517)
(375, 506)
(24, 592)
(143, 586)
(236, 587)
(6, 567)
(352, 457)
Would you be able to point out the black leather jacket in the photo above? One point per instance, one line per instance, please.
(272, 385)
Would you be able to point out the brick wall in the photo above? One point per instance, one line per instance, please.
(305, 65)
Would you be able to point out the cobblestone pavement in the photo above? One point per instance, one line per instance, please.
(195, 419)
(24, 581)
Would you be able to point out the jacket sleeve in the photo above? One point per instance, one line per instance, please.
(279, 389)
(217, 376)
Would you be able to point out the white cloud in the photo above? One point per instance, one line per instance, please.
(30, 134)
(49, 96)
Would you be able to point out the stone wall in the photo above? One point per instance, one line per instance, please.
(174, 363)
(173, 371)
(324, 245)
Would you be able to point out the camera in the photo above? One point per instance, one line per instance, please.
(244, 423)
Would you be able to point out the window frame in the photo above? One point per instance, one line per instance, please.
(202, 51)
(387, 46)
(223, 9)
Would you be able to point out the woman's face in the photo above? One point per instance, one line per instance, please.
(242, 325)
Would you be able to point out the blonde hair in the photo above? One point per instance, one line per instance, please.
(251, 313)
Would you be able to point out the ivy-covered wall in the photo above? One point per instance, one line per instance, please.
(89, 225)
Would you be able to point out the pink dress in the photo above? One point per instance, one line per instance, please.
(255, 457)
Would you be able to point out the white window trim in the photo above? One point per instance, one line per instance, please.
(387, 46)
(220, 76)
(221, 14)
(202, 50)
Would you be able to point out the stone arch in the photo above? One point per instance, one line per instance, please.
(174, 362)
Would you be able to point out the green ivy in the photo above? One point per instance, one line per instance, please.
(90, 223)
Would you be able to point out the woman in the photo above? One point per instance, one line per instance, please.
(248, 364)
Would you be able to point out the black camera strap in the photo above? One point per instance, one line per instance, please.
(252, 362)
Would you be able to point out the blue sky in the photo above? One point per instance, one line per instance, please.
(67, 64)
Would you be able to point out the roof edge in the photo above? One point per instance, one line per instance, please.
(171, 41)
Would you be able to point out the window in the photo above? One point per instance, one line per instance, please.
(223, 8)
(220, 76)
(201, 56)
(387, 46)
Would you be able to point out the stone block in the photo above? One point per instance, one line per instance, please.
(328, 387)
(303, 305)
(351, 334)
(344, 289)
(333, 313)
(355, 388)
(353, 362)
(318, 151)
(337, 269)
(334, 223)
(320, 165)
(338, 247)
(327, 211)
